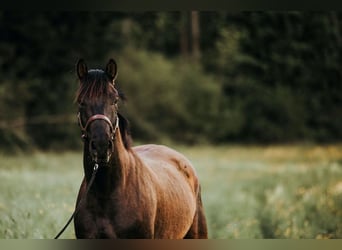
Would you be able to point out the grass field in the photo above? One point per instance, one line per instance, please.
(248, 192)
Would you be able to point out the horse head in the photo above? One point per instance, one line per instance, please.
(98, 116)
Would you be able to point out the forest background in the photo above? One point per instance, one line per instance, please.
(189, 77)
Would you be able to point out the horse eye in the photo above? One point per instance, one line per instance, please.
(81, 105)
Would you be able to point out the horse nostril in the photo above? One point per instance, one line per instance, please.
(110, 145)
(92, 146)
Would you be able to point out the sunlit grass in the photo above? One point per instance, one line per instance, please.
(271, 192)
(248, 192)
(38, 193)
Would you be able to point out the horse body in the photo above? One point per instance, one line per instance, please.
(163, 182)
(148, 191)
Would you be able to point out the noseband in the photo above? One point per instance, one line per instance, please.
(94, 118)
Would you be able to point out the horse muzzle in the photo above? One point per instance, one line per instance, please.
(101, 151)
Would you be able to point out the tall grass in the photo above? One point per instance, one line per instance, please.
(272, 192)
(248, 192)
(38, 193)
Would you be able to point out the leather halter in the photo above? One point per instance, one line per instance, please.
(94, 118)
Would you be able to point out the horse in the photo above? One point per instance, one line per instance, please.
(148, 191)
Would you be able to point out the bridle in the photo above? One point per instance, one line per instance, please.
(94, 118)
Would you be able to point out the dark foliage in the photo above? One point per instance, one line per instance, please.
(261, 76)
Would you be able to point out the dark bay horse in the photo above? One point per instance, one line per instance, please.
(148, 191)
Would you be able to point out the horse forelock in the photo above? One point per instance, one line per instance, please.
(96, 85)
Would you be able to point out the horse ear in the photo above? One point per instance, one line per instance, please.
(81, 69)
(112, 69)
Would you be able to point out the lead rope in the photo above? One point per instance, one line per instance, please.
(96, 166)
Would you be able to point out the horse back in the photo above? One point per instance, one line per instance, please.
(167, 163)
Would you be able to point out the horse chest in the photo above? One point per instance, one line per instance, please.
(104, 228)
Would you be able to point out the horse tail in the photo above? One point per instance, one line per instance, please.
(202, 222)
(198, 229)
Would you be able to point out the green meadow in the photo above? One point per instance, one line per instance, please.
(292, 191)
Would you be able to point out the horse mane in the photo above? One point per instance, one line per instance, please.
(125, 131)
(96, 84)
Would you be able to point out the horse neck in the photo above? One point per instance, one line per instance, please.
(110, 177)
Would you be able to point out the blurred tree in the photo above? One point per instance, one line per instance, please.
(39, 52)
(282, 70)
(257, 77)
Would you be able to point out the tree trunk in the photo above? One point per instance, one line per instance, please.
(195, 35)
